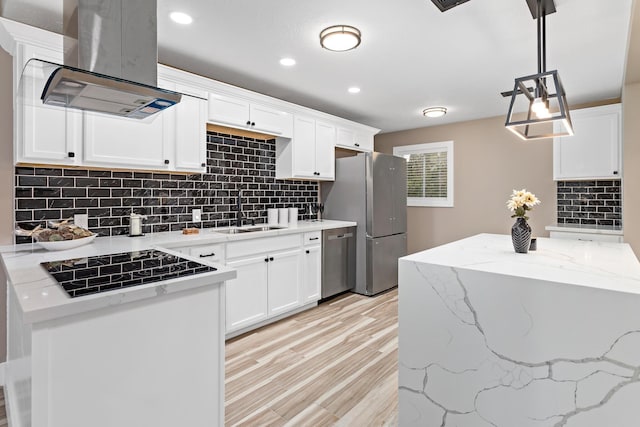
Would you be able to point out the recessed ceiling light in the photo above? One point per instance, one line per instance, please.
(434, 112)
(181, 18)
(288, 62)
(354, 89)
(340, 38)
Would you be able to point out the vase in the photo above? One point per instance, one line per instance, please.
(521, 236)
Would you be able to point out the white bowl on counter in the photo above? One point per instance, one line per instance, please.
(61, 245)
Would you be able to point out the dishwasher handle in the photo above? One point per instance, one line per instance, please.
(340, 236)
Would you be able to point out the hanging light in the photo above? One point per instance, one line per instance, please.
(340, 38)
(541, 95)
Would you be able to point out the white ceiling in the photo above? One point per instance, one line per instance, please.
(412, 56)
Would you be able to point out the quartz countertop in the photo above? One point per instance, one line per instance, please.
(586, 229)
(610, 266)
(41, 297)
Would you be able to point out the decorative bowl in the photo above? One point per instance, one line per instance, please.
(67, 244)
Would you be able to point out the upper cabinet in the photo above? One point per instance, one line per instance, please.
(594, 151)
(310, 153)
(239, 113)
(355, 139)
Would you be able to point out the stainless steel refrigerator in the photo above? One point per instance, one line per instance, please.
(371, 189)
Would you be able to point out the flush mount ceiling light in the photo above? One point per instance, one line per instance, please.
(340, 38)
(181, 18)
(541, 95)
(434, 112)
(288, 62)
(353, 89)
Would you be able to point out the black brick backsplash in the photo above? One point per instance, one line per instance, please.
(590, 202)
(108, 197)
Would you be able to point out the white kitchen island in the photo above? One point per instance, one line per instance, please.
(488, 337)
(146, 355)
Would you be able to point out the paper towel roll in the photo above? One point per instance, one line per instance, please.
(293, 217)
(272, 216)
(283, 216)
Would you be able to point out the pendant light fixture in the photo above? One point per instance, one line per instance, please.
(541, 95)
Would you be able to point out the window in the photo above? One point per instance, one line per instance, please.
(429, 173)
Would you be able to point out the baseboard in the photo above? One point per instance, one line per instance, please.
(2, 367)
(270, 320)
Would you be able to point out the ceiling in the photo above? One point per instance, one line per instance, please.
(412, 55)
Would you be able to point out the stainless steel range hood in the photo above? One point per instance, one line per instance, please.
(112, 67)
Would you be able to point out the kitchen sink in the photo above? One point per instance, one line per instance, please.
(237, 230)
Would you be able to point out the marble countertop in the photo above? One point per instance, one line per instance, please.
(610, 266)
(41, 298)
(586, 229)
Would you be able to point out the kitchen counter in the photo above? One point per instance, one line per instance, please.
(109, 359)
(489, 337)
(41, 298)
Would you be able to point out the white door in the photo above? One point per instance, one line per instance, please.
(311, 276)
(190, 132)
(123, 142)
(284, 279)
(270, 120)
(228, 110)
(325, 150)
(45, 134)
(304, 149)
(246, 294)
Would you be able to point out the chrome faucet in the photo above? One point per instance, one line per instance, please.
(239, 217)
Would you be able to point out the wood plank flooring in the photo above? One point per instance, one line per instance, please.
(334, 365)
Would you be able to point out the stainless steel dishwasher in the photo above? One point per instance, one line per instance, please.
(338, 260)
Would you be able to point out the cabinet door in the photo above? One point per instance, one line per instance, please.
(271, 120)
(363, 141)
(228, 110)
(594, 150)
(311, 274)
(345, 138)
(284, 279)
(190, 142)
(45, 134)
(246, 294)
(325, 150)
(304, 135)
(122, 142)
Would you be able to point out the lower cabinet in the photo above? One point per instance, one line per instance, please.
(283, 281)
(311, 273)
(247, 294)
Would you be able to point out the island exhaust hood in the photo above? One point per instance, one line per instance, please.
(111, 64)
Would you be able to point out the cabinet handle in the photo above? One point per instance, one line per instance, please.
(248, 122)
(357, 145)
(166, 162)
(307, 251)
(314, 238)
(615, 172)
(271, 259)
(253, 123)
(204, 165)
(71, 154)
(266, 260)
(207, 255)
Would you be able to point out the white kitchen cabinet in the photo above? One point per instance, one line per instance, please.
(247, 294)
(284, 279)
(209, 253)
(352, 139)
(594, 152)
(590, 237)
(310, 153)
(126, 143)
(189, 138)
(240, 113)
(311, 268)
(45, 134)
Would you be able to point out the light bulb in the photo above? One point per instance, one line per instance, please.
(540, 108)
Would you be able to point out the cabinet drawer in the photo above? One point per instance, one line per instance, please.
(212, 253)
(257, 246)
(312, 238)
(608, 238)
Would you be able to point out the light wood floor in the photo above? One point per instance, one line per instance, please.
(3, 410)
(336, 364)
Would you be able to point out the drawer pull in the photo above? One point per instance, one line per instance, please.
(266, 260)
(271, 259)
(307, 250)
(314, 238)
(207, 255)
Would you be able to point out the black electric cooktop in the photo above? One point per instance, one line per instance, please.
(91, 275)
